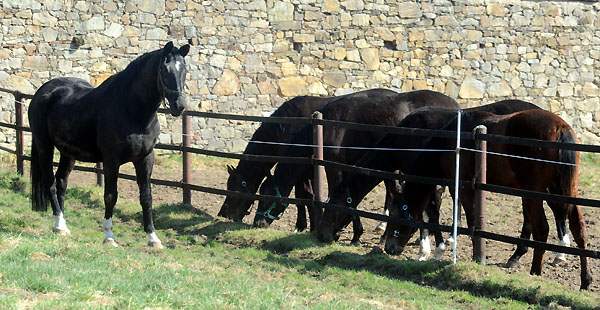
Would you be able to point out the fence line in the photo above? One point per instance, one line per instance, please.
(355, 126)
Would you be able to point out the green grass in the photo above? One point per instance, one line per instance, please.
(213, 264)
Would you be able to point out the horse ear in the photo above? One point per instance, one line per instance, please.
(184, 50)
(168, 47)
(230, 169)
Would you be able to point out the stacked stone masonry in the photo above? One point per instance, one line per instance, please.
(249, 56)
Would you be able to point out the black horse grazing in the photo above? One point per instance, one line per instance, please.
(382, 111)
(248, 175)
(354, 187)
(114, 123)
(544, 176)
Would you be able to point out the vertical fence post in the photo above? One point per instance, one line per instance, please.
(99, 174)
(19, 102)
(479, 203)
(185, 131)
(319, 171)
(457, 176)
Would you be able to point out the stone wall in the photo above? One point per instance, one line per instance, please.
(250, 56)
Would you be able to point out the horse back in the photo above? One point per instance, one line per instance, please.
(60, 116)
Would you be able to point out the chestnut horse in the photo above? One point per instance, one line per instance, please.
(540, 176)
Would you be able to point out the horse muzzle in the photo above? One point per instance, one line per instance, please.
(325, 233)
(261, 222)
(393, 248)
(177, 105)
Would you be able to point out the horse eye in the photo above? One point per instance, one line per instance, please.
(404, 207)
(244, 183)
(349, 200)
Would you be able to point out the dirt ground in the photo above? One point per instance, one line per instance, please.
(504, 216)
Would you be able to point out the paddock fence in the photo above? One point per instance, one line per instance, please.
(186, 150)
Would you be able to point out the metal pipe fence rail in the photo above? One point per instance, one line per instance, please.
(187, 186)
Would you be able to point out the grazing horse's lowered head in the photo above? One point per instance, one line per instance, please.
(171, 76)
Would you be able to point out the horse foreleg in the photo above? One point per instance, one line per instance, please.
(580, 236)
(357, 228)
(434, 218)
(513, 261)
(143, 171)
(111, 172)
(303, 190)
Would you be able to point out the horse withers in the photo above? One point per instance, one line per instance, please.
(542, 175)
(114, 123)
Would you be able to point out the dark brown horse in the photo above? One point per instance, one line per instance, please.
(539, 176)
(248, 175)
(381, 111)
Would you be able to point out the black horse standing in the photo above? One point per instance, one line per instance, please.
(114, 123)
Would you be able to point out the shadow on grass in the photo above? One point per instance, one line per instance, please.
(86, 196)
(184, 220)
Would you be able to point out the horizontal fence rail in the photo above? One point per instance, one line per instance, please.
(354, 169)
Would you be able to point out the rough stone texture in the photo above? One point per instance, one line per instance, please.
(249, 56)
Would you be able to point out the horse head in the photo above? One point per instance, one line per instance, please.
(171, 76)
(268, 210)
(398, 235)
(235, 208)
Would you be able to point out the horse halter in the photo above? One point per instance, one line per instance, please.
(405, 215)
(162, 87)
(267, 213)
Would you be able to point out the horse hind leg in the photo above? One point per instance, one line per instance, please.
(580, 236)
(560, 218)
(539, 230)
(65, 166)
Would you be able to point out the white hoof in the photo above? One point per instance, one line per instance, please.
(381, 227)
(155, 244)
(63, 231)
(439, 251)
(153, 241)
(422, 257)
(560, 259)
(110, 242)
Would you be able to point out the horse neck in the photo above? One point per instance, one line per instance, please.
(253, 172)
(286, 176)
(143, 93)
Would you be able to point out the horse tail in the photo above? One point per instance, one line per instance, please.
(567, 175)
(39, 188)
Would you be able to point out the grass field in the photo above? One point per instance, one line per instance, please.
(209, 263)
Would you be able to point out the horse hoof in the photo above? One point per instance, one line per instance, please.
(559, 260)
(512, 264)
(61, 231)
(381, 227)
(110, 242)
(422, 257)
(155, 244)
